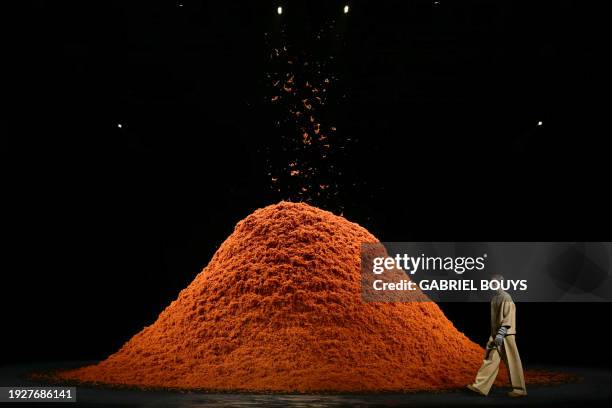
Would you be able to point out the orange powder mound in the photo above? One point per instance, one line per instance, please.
(279, 308)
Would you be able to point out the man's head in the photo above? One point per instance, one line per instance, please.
(496, 283)
(497, 277)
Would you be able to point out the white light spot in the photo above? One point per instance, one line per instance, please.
(540, 123)
(279, 10)
(346, 9)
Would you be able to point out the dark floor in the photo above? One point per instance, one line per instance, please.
(595, 389)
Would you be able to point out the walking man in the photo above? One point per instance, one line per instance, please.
(501, 346)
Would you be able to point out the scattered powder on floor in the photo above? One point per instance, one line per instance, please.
(279, 308)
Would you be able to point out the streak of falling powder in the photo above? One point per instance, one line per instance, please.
(304, 165)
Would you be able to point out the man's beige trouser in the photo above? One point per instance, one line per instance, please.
(490, 367)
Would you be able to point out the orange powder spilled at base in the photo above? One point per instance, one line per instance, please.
(279, 308)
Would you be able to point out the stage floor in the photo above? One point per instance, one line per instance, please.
(594, 389)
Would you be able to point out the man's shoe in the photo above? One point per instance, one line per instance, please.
(517, 393)
(476, 390)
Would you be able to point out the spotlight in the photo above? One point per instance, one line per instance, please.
(346, 9)
(279, 10)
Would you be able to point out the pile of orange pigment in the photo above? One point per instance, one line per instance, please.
(279, 308)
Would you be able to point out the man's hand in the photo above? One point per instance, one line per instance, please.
(501, 333)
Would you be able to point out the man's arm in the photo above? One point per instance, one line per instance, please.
(506, 311)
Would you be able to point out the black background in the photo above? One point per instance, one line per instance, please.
(107, 224)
